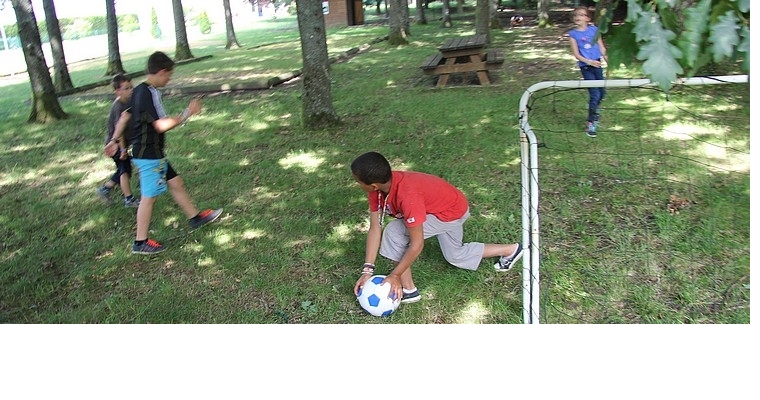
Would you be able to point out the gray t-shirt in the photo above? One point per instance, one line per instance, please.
(113, 117)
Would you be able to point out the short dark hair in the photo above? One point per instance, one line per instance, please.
(118, 79)
(371, 168)
(158, 61)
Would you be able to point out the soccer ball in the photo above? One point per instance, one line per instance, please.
(373, 297)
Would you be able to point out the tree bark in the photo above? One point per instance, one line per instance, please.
(45, 106)
(446, 15)
(318, 111)
(182, 51)
(405, 17)
(421, 19)
(543, 14)
(494, 14)
(232, 41)
(397, 34)
(482, 19)
(114, 55)
(61, 77)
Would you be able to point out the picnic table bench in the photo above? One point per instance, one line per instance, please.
(464, 54)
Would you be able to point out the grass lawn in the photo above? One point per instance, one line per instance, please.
(289, 246)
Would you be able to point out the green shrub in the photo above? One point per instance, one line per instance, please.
(128, 23)
(155, 30)
(204, 23)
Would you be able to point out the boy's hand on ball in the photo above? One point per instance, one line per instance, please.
(360, 283)
(396, 287)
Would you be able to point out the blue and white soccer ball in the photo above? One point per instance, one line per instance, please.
(373, 297)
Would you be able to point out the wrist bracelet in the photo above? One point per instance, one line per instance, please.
(184, 115)
(368, 268)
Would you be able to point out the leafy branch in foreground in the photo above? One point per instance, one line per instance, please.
(674, 36)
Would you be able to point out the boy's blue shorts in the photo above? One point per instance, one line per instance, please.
(153, 175)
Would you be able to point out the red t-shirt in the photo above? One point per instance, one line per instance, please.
(413, 195)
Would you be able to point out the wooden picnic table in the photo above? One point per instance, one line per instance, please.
(463, 54)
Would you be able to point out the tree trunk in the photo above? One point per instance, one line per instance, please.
(232, 41)
(421, 19)
(446, 15)
(61, 78)
(182, 51)
(378, 3)
(405, 17)
(114, 55)
(318, 109)
(494, 14)
(543, 14)
(397, 34)
(45, 106)
(483, 19)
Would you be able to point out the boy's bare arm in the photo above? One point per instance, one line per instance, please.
(416, 244)
(164, 124)
(121, 125)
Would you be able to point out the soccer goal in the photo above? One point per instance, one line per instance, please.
(649, 221)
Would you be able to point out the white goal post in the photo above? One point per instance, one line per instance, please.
(529, 174)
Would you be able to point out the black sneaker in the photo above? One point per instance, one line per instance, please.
(148, 247)
(506, 263)
(411, 297)
(105, 195)
(132, 203)
(204, 217)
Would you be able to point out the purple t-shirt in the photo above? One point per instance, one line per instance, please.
(587, 46)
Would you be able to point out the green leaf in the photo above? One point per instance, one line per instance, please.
(743, 48)
(720, 7)
(744, 45)
(703, 59)
(634, 9)
(696, 27)
(743, 5)
(660, 65)
(620, 48)
(648, 26)
(669, 19)
(724, 36)
(659, 55)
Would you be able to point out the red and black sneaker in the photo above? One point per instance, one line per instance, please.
(150, 246)
(204, 217)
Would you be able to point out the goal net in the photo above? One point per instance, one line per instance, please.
(649, 221)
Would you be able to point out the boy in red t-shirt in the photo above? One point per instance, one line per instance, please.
(424, 206)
